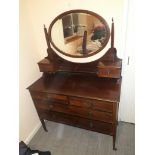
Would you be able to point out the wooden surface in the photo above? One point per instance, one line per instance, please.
(85, 95)
(80, 85)
(81, 100)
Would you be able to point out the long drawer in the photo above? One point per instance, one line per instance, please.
(62, 108)
(75, 101)
(77, 121)
(73, 110)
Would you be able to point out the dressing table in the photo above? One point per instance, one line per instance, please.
(84, 95)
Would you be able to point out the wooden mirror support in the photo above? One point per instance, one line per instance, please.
(109, 65)
(84, 95)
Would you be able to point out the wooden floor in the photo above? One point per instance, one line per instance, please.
(67, 140)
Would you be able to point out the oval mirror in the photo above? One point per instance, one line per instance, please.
(79, 33)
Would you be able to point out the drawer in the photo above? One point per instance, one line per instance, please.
(77, 111)
(58, 117)
(102, 116)
(80, 102)
(97, 126)
(47, 96)
(109, 72)
(102, 105)
(77, 121)
(72, 110)
(62, 108)
(95, 104)
(45, 66)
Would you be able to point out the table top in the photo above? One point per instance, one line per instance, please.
(79, 85)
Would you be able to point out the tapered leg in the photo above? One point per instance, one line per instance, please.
(115, 123)
(114, 136)
(114, 140)
(43, 124)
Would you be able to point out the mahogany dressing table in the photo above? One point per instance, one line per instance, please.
(85, 95)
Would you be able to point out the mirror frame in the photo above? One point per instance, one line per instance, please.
(79, 11)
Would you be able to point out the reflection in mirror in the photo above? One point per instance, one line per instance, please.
(79, 34)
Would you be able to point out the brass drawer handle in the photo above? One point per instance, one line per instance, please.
(108, 72)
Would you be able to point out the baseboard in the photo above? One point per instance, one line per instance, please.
(34, 131)
(127, 122)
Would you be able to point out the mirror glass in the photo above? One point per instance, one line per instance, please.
(79, 33)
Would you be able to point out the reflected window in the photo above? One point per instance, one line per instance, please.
(73, 25)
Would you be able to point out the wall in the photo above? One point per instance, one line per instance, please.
(29, 72)
(33, 14)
